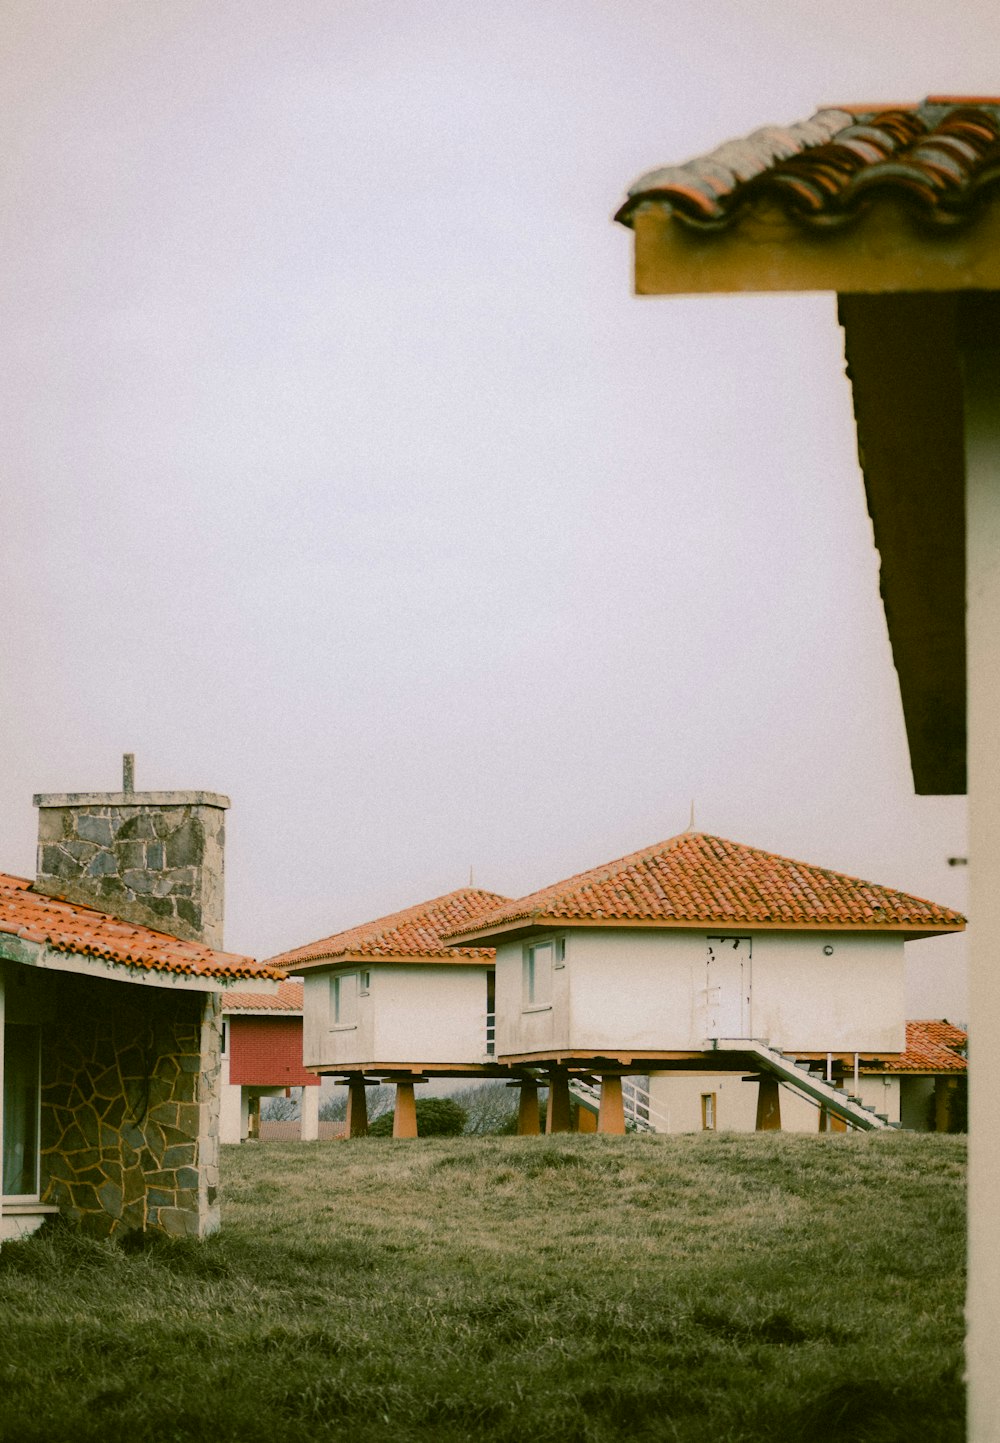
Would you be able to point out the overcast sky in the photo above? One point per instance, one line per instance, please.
(345, 475)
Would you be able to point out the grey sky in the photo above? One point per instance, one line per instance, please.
(345, 475)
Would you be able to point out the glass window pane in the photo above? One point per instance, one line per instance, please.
(20, 1110)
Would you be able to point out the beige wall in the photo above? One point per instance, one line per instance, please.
(413, 1013)
(678, 1096)
(630, 988)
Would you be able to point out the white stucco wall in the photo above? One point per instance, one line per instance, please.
(232, 1123)
(413, 1013)
(677, 1096)
(634, 989)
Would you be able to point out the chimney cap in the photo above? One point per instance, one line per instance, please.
(130, 799)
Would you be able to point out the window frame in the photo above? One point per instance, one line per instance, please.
(534, 999)
(344, 1018)
(709, 1112)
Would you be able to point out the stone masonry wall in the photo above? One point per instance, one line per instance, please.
(130, 1089)
(159, 865)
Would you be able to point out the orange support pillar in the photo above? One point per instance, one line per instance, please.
(357, 1108)
(557, 1117)
(768, 1105)
(586, 1121)
(611, 1117)
(404, 1118)
(527, 1110)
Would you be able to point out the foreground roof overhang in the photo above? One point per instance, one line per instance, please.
(897, 209)
(46, 931)
(859, 199)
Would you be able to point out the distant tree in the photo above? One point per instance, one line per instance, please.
(379, 1100)
(491, 1107)
(436, 1117)
(279, 1109)
(333, 1109)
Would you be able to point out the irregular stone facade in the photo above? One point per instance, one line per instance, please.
(155, 858)
(130, 1117)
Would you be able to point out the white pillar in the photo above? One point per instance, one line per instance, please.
(310, 1113)
(982, 451)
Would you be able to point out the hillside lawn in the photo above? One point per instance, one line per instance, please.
(573, 1289)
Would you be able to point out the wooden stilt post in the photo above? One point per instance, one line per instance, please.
(357, 1107)
(768, 1105)
(558, 1115)
(586, 1121)
(527, 1110)
(404, 1118)
(611, 1117)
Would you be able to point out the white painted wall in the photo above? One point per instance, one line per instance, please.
(232, 1122)
(678, 1095)
(413, 1013)
(634, 989)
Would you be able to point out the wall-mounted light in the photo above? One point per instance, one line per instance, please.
(828, 950)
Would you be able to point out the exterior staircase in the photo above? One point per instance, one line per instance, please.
(799, 1075)
(640, 1114)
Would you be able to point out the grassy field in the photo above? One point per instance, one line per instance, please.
(537, 1290)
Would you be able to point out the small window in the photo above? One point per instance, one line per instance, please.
(708, 1111)
(344, 1000)
(364, 983)
(539, 960)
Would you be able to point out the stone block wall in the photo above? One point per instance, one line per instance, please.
(130, 1089)
(152, 858)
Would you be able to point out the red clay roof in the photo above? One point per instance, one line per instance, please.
(415, 932)
(940, 157)
(930, 1047)
(73, 927)
(699, 880)
(288, 998)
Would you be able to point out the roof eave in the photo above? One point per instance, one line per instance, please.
(367, 959)
(882, 250)
(521, 927)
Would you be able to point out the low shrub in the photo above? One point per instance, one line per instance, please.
(436, 1117)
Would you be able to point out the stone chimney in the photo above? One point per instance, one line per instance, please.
(149, 857)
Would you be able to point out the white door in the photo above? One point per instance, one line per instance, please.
(727, 989)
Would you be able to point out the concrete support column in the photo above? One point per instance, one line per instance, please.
(981, 356)
(404, 1118)
(253, 1116)
(558, 1114)
(244, 1114)
(357, 1108)
(768, 1104)
(527, 1110)
(309, 1131)
(611, 1117)
(586, 1121)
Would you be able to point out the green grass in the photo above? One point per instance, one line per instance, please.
(557, 1290)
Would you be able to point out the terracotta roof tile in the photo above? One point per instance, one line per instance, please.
(930, 1047)
(940, 157)
(415, 932)
(73, 927)
(695, 879)
(288, 998)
